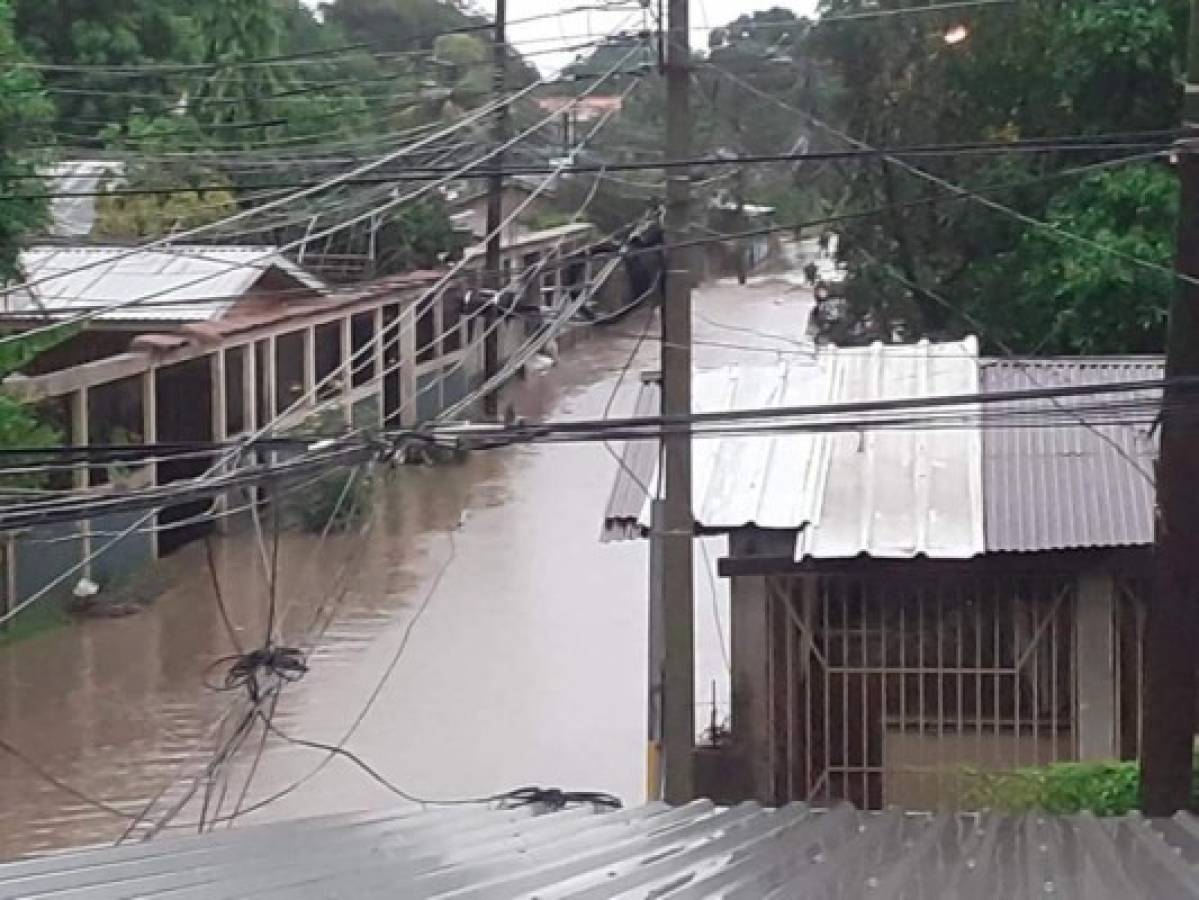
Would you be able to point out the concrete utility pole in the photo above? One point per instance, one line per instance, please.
(493, 279)
(1172, 632)
(678, 689)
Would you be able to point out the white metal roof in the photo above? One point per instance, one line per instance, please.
(883, 493)
(180, 284)
(693, 851)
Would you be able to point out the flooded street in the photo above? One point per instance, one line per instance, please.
(526, 662)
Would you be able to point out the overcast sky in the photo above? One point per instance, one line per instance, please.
(575, 28)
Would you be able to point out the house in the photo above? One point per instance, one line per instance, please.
(224, 340)
(910, 603)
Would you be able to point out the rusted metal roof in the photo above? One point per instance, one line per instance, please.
(693, 851)
(179, 284)
(889, 494)
(1068, 486)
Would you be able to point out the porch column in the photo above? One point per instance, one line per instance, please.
(750, 652)
(249, 386)
(220, 411)
(150, 436)
(220, 430)
(272, 380)
(82, 474)
(310, 366)
(380, 369)
(1095, 643)
(348, 364)
(406, 337)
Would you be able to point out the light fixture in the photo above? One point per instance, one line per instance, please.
(956, 34)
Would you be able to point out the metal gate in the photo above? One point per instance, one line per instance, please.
(894, 692)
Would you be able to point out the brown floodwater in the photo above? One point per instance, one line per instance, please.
(527, 666)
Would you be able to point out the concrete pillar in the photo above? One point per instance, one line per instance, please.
(1095, 650)
(750, 652)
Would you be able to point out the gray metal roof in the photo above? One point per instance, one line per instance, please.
(181, 284)
(654, 851)
(1068, 487)
(940, 493)
(890, 494)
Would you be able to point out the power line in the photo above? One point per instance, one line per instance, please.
(45, 775)
(963, 192)
(417, 174)
(210, 476)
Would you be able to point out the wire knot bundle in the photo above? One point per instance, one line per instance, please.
(245, 671)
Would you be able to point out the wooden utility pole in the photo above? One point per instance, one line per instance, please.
(493, 279)
(1172, 632)
(677, 595)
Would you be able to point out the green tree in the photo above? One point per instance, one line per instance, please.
(109, 33)
(1037, 69)
(416, 236)
(24, 115)
(1074, 297)
(397, 25)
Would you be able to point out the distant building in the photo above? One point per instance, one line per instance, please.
(525, 201)
(573, 116)
(75, 216)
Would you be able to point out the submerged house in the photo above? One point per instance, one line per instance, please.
(917, 606)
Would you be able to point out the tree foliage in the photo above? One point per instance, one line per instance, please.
(24, 114)
(1038, 69)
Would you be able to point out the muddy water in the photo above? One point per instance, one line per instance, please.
(527, 665)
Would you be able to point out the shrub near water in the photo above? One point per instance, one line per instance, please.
(1105, 789)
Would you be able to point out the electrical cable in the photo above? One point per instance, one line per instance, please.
(45, 775)
(373, 697)
(243, 215)
(590, 169)
(962, 192)
(216, 762)
(85, 316)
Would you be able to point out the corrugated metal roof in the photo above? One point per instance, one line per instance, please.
(891, 494)
(1068, 486)
(654, 851)
(181, 284)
